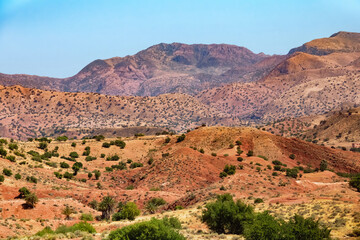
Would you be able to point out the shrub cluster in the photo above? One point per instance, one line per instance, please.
(154, 229)
(226, 216)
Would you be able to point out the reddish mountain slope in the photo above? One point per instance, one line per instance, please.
(163, 68)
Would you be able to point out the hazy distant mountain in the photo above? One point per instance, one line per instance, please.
(163, 68)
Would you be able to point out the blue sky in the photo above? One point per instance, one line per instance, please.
(59, 37)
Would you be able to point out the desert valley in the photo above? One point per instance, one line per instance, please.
(180, 133)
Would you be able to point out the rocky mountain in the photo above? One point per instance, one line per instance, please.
(302, 84)
(163, 68)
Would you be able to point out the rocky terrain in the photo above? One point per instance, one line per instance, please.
(186, 174)
(29, 112)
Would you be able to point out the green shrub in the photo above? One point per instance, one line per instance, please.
(299, 228)
(120, 143)
(172, 222)
(13, 146)
(3, 152)
(90, 158)
(98, 137)
(119, 166)
(114, 157)
(62, 138)
(250, 153)
(64, 165)
(130, 187)
(136, 165)
(292, 172)
(2, 178)
(81, 226)
(355, 183)
(277, 168)
(31, 179)
(58, 175)
(323, 165)
(223, 174)
(68, 175)
(7, 172)
(150, 230)
(258, 200)
(17, 176)
(229, 169)
(86, 217)
(42, 145)
(181, 138)
(227, 216)
(292, 156)
(73, 144)
(106, 145)
(74, 155)
(47, 230)
(277, 162)
(240, 159)
(263, 157)
(263, 226)
(129, 211)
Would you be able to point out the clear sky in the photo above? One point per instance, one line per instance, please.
(58, 38)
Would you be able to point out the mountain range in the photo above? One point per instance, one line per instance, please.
(179, 86)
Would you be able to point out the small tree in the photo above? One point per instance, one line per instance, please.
(76, 167)
(226, 216)
(90, 175)
(23, 192)
(31, 200)
(107, 206)
(67, 211)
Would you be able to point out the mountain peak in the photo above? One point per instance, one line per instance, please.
(338, 42)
